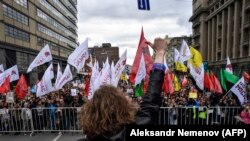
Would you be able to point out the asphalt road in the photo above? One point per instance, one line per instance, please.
(42, 137)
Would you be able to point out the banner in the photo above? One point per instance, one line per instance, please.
(43, 56)
(239, 89)
(79, 56)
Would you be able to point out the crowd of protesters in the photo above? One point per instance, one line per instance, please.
(58, 111)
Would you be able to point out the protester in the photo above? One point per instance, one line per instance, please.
(105, 116)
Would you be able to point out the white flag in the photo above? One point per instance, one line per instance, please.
(13, 73)
(1, 69)
(59, 74)
(51, 71)
(229, 66)
(43, 57)
(93, 80)
(239, 89)
(45, 86)
(90, 64)
(165, 64)
(105, 78)
(66, 77)
(176, 55)
(141, 73)
(119, 67)
(198, 74)
(79, 56)
(185, 53)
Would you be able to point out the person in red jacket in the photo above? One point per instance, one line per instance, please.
(105, 116)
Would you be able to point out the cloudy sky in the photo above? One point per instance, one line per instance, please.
(119, 22)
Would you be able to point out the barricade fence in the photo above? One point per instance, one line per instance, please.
(63, 119)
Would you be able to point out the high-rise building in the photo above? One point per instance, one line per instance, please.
(221, 30)
(26, 26)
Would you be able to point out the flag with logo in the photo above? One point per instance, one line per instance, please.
(45, 85)
(78, 57)
(239, 89)
(43, 56)
(66, 77)
(13, 73)
(185, 53)
(119, 67)
(195, 64)
(51, 71)
(176, 55)
(105, 78)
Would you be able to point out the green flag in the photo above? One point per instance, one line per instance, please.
(226, 76)
(139, 90)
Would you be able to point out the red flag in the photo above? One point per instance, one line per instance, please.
(207, 81)
(216, 83)
(142, 48)
(21, 89)
(5, 86)
(184, 82)
(86, 88)
(246, 75)
(168, 87)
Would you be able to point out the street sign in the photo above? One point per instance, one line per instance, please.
(143, 5)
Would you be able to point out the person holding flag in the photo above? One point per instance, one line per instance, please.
(105, 116)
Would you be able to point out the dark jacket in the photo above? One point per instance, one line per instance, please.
(150, 107)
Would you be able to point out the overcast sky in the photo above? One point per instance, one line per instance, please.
(119, 22)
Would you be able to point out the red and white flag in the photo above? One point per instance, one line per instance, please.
(43, 56)
(45, 85)
(66, 77)
(119, 67)
(13, 73)
(79, 56)
(229, 66)
(141, 72)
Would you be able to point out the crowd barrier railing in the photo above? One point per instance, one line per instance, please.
(67, 119)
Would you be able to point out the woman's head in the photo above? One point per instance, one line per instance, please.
(107, 112)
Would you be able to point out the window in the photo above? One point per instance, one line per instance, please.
(11, 13)
(16, 33)
(23, 3)
(56, 24)
(51, 33)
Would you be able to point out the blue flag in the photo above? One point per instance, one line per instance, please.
(143, 5)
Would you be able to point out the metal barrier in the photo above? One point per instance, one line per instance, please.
(199, 116)
(63, 119)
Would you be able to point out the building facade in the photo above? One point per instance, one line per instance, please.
(221, 29)
(26, 26)
(100, 53)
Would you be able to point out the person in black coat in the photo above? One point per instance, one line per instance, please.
(105, 116)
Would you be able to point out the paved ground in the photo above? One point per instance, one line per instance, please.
(42, 137)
